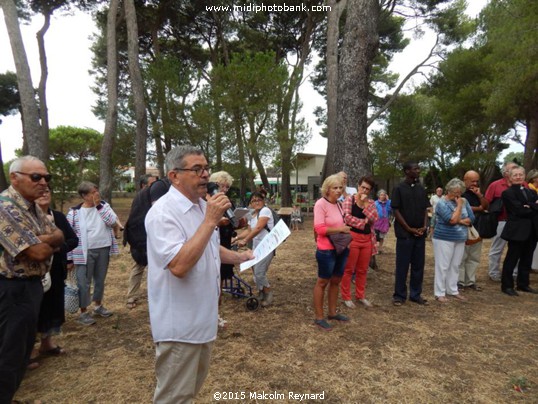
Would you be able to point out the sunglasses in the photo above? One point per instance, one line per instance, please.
(37, 177)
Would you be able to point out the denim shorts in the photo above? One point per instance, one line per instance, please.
(330, 264)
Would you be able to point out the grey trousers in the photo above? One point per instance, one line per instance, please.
(95, 269)
(260, 272)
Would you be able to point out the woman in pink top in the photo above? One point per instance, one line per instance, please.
(328, 219)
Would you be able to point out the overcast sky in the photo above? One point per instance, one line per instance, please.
(69, 93)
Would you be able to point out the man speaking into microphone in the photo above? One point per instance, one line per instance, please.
(184, 257)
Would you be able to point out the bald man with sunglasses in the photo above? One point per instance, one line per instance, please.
(27, 241)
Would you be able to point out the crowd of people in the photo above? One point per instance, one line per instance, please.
(186, 272)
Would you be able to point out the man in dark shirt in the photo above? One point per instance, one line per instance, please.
(410, 204)
(28, 240)
(471, 256)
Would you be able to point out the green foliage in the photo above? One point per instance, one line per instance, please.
(9, 94)
(509, 33)
(248, 89)
(452, 22)
(73, 158)
(516, 157)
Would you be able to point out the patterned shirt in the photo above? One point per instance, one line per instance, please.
(370, 213)
(21, 222)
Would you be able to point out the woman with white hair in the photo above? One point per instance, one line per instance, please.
(384, 213)
(329, 219)
(453, 216)
(226, 231)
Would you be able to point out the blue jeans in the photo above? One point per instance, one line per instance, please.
(330, 264)
(409, 252)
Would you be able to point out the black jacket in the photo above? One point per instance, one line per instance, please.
(522, 221)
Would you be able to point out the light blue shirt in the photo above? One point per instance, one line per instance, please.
(443, 213)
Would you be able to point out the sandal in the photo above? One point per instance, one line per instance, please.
(33, 364)
(339, 317)
(131, 304)
(441, 299)
(459, 297)
(420, 300)
(324, 325)
(56, 351)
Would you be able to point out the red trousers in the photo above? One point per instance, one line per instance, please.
(360, 251)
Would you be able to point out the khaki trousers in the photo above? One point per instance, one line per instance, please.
(469, 264)
(135, 279)
(181, 369)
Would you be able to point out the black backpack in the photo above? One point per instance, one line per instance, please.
(486, 222)
(276, 218)
(135, 230)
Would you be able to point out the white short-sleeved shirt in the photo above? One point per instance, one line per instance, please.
(264, 212)
(181, 309)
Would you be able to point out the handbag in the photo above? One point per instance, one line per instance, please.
(472, 236)
(340, 241)
(71, 298)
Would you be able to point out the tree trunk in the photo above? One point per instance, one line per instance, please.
(358, 51)
(241, 152)
(531, 143)
(3, 179)
(111, 122)
(42, 89)
(285, 135)
(253, 151)
(333, 33)
(30, 113)
(137, 86)
(218, 135)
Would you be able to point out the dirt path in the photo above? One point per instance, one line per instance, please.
(458, 352)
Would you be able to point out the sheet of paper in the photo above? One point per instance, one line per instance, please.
(276, 236)
(241, 212)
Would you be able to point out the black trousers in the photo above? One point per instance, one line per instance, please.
(522, 251)
(19, 309)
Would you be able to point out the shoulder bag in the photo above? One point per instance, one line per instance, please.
(340, 241)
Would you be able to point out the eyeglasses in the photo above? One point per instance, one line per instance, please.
(196, 169)
(37, 177)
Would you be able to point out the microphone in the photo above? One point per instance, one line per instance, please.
(212, 189)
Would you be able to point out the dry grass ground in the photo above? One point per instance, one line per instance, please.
(458, 352)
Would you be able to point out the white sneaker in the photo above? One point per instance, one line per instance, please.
(85, 319)
(222, 323)
(365, 302)
(101, 311)
(268, 300)
(349, 304)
